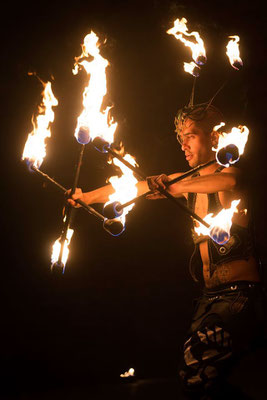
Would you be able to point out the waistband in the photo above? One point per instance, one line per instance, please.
(232, 287)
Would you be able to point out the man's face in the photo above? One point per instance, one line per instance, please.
(196, 144)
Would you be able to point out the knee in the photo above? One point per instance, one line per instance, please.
(204, 353)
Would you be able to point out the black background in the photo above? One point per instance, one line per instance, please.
(123, 301)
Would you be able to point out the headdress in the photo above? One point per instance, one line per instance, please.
(195, 112)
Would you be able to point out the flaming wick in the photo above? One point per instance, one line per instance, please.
(233, 52)
(179, 31)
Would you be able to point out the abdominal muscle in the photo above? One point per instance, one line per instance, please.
(237, 270)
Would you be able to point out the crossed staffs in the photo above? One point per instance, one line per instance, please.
(112, 211)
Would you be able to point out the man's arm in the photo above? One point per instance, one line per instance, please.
(227, 180)
(101, 195)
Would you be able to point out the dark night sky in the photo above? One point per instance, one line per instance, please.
(122, 301)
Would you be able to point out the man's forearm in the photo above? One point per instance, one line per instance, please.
(101, 195)
(206, 184)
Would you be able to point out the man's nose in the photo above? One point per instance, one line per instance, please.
(185, 145)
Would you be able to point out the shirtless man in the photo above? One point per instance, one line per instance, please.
(225, 319)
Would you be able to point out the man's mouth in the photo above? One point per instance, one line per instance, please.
(188, 157)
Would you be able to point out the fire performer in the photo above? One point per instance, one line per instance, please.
(229, 314)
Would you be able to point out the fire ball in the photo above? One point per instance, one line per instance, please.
(111, 210)
(113, 226)
(57, 268)
(219, 236)
(100, 144)
(228, 155)
(83, 136)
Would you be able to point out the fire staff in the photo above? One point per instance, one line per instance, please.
(229, 314)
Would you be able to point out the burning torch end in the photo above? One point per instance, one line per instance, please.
(228, 155)
(196, 72)
(113, 226)
(30, 165)
(100, 144)
(201, 60)
(58, 268)
(83, 136)
(113, 210)
(218, 235)
(237, 64)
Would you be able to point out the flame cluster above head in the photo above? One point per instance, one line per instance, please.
(199, 111)
(180, 32)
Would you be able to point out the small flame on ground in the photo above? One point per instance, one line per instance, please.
(238, 137)
(180, 30)
(92, 118)
(124, 186)
(233, 52)
(57, 247)
(35, 147)
(128, 373)
(222, 222)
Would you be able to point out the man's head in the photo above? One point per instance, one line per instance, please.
(194, 128)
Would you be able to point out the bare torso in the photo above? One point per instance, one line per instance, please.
(231, 271)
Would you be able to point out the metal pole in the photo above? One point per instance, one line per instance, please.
(171, 182)
(125, 162)
(89, 209)
(69, 210)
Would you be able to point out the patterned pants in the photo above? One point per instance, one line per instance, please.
(224, 324)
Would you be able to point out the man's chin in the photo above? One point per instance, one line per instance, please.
(192, 163)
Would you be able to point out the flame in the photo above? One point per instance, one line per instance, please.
(125, 185)
(238, 137)
(233, 52)
(179, 30)
(192, 68)
(57, 247)
(220, 223)
(128, 373)
(35, 147)
(92, 118)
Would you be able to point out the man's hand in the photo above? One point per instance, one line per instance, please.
(155, 183)
(77, 195)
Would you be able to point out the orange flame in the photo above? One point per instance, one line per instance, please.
(124, 186)
(233, 52)
(179, 31)
(128, 373)
(220, 223)
(92, 119)
(192, 68)
(35, 147)
(57, 246)
(238, 137)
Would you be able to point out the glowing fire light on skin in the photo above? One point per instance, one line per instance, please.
(179, 31)
(233, 52)
(93, 122)
(35, 148)
(220, 224)
(236, 139)
(57, 247)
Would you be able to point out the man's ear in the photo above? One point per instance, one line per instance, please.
(214, 138)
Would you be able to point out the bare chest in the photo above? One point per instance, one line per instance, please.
(201, 204)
